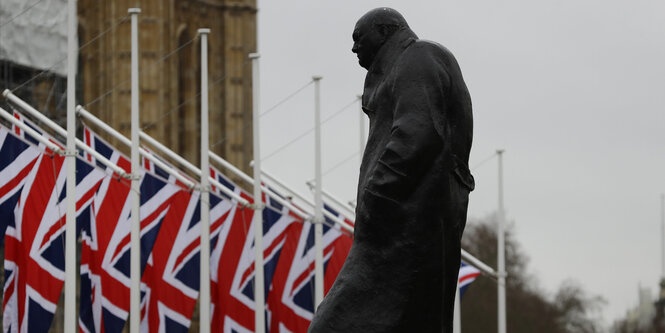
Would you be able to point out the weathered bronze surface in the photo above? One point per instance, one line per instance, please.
(401, 273)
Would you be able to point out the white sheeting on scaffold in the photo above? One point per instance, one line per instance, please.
(36, 37)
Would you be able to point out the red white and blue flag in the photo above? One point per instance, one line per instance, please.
(17, 159)
(467, 274)
(233, 273)
(172, 276)
(291, 299)
(34, 203)
(105, 256)
(170, 280)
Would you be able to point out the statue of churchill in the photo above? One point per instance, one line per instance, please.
(401, 272)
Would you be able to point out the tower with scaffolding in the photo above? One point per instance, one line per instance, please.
(33, 39)
(32, 66)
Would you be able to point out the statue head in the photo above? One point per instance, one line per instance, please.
(373, 30)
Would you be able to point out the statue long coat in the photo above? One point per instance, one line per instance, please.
(401, 272)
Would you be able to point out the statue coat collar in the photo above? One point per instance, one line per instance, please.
(384, 62)
(390, 51)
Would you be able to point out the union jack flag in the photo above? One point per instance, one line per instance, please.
(233, 276)
(467, 274)
(105, 256)
(33, 201)
(291, 299)
(171, 279)
(21, 134)
(17, 159)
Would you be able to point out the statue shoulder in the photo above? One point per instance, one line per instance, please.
(432, 56)
(426, 60)
(431, 48)
(428, 53)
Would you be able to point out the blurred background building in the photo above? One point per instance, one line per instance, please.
(33, 41)
(640, 318)
(33, 53)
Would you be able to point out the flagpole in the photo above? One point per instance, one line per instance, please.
(329, 198)
(457, 314)
(135, 261)
(662, 235)
(259, 311)
(25, 107)
(306, 201)
(318, 201)
(204, 308)
(501, 252)
(70, 226)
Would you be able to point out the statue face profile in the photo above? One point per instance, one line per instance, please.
(367, 40)
(372, 31)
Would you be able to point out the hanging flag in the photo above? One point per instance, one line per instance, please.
(21, 134)
(170, 279)
(34, 204)
(233, 278)
(291, 299)
(17, 158)
(153, 168)
(105, 255)
(34, 264)
(172, 276)
(467, 274)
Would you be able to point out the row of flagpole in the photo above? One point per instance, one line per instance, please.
(317, 219)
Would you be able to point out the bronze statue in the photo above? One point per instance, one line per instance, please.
(401, 272)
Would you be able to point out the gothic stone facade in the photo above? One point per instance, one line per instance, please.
(169, 65)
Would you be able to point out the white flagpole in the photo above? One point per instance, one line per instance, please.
(501, 252)
(318, 201)
(457, 315)
(25, 107)
(259, 311)
(204, 308)
(31, 132)
(70, 226)
(662, 235)
(135, 258)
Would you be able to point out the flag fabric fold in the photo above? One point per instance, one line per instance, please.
(33, 207)
(467, 274)
(172, 276)
(291, 298)
(233, 270)
(105, 255)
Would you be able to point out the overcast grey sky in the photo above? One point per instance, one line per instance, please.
(572, 89)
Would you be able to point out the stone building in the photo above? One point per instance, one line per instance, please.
(169, 65)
